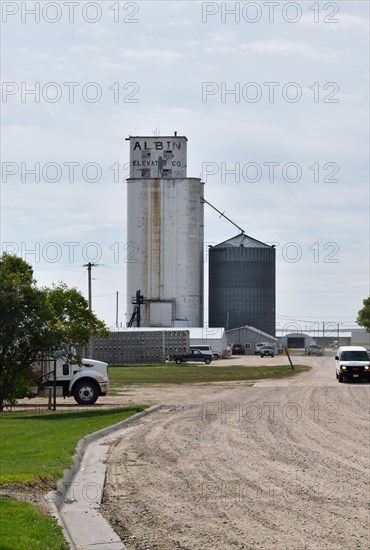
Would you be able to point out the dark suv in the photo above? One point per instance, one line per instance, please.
(238, 349)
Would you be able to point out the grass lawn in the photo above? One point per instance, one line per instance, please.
(187, 373)
(23, 527)
(35, 450)
(40, 446)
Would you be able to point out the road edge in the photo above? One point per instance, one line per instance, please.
(56, 498)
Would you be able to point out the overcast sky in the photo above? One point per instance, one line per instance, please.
(272, 96)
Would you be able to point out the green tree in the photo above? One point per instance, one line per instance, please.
(34, 319)
(363, 318)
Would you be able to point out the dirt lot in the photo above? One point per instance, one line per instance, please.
(278, 465)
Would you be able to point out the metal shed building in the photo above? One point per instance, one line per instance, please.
(249, 337)
(297, 340)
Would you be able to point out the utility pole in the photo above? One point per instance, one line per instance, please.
(89, 292)
(323, 334)
(117, 309)
(90, 346)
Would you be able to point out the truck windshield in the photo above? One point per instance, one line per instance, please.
(354, 356)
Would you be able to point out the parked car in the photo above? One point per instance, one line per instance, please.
(315, 349)
(238, 349)
(257, 347)
(267, 350)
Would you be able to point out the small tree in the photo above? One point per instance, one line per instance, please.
(34, 319)
(363, 318)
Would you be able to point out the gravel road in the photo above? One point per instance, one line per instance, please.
(280, 465)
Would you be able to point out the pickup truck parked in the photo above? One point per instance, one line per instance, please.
(193, 355)
(257, 347)
(205, 349)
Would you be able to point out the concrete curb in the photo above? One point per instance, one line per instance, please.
(56, 498)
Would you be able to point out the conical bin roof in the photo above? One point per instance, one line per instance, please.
(242, 240)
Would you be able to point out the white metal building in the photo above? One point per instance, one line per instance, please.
(249, 337)
(165, 231)
(214, 337)
(359, 337)
(297, 340)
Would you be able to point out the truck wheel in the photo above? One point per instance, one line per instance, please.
(336, 374)
(178, 361)
(340, 377)
(85, 392)
(207, 361)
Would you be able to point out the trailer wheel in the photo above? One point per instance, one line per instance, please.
(86, 392)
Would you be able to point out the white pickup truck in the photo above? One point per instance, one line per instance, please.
(257, 347)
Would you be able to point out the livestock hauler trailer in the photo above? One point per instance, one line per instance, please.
(85, 381)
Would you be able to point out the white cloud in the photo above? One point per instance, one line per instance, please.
(284, 47)
(169, 53)
(164, 55)
(221, 37)
(226, 45)
(346, 21)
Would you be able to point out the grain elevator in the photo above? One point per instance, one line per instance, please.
(165, 233)
(242, 284)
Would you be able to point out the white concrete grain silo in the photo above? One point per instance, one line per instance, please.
(165, 230)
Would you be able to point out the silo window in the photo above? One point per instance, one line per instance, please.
(145, 172)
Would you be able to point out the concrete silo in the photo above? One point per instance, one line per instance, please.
(165, 230)
(242, 284)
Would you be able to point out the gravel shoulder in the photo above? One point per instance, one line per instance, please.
(278, 464)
